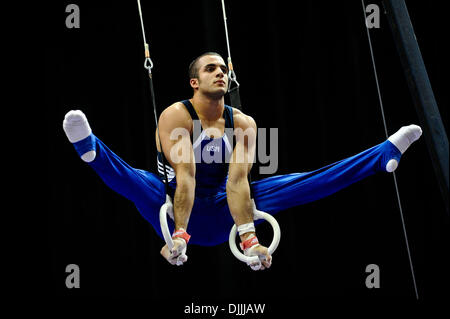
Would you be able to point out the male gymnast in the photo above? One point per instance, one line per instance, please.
(207, 173)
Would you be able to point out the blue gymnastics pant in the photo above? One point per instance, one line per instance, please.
(210, 221)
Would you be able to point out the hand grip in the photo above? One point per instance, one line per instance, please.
(257, 214)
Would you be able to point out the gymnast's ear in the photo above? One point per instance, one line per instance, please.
(194, 83)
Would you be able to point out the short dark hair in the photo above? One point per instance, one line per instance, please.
(193, 67)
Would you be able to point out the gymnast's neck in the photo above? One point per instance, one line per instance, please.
(210, 109)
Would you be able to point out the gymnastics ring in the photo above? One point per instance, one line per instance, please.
(166, 209)
(257, 214)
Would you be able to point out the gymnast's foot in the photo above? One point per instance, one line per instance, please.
(403, 139)
(77, 128)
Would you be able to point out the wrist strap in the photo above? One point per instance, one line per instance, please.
(246, 244)
(181, 233)
(246, 228)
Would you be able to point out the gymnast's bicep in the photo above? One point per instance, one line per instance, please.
(174, 126)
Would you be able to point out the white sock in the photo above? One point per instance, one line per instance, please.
(77, 128)
(403, 139)
(405, 136)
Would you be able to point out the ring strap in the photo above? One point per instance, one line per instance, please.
(181, 233)
(246, 244)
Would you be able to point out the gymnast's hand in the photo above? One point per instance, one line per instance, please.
(265, 259)
(178, 254)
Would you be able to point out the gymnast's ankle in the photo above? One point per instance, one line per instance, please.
(77, 129)
(402, 140)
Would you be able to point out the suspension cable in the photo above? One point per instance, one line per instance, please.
(231, 74)
(148, 64)
(386, 133)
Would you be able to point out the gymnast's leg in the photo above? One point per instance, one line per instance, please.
(145, 189)
(277, 193)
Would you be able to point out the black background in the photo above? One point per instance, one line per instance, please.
(304, 68)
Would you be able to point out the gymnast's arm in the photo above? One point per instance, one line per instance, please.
(238, 188)
(175, 125)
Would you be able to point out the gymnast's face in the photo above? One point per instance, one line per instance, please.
(212, 77)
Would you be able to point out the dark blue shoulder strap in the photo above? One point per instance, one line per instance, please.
(228, 116)
(227, 113)
(229, 124)
(190, 109)
(194, 117)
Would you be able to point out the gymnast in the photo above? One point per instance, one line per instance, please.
(210, 196)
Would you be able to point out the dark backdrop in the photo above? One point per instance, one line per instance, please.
(304, 68)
